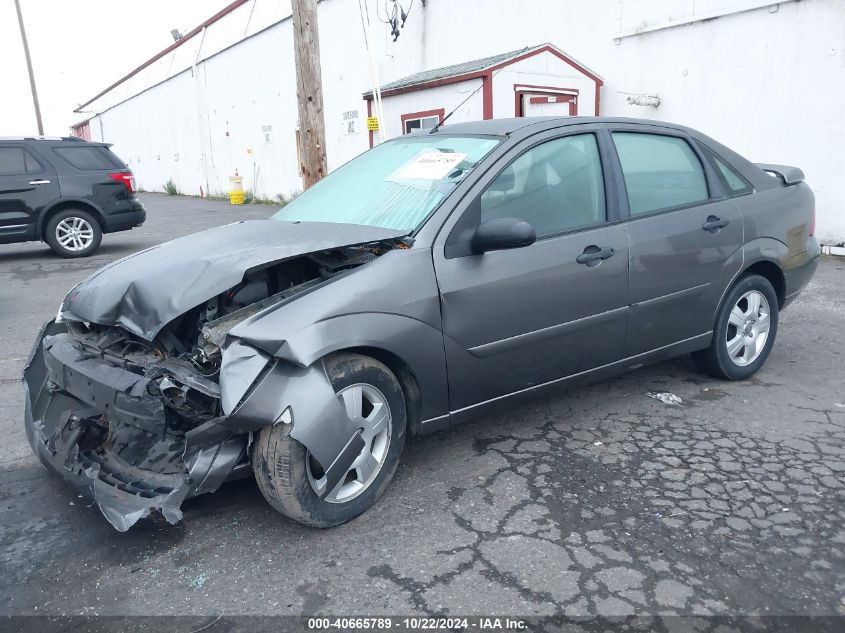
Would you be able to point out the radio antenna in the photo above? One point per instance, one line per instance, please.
(470, 96)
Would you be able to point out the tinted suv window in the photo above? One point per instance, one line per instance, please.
(12, 161)
(556, 187)
(660, 171)
(89, 157)
(32, 165)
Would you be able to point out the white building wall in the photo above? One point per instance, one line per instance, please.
(242, 93)
(766, 83)
(156, 137)
(236, 108)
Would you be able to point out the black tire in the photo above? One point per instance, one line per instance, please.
(68, 214)
(280, 462)
(716, 360)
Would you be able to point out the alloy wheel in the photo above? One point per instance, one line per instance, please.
(74, 234)
(748, 328)
(368, 407)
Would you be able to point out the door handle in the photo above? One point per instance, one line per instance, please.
(39, 182)
(593, 255)
(714, 223)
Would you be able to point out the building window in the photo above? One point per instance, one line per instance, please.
(421, 120)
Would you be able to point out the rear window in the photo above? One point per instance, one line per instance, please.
(89, 157)
(736, 184)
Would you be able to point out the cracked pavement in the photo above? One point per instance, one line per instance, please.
(592, 500)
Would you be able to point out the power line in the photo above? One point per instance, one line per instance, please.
(395, 16)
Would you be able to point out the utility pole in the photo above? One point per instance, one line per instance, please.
(309, 92)
(29, 69)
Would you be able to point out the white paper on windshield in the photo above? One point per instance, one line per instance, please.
(430, 166)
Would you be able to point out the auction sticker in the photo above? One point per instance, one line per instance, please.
(430, 165)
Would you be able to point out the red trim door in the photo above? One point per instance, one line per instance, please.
(526, 96)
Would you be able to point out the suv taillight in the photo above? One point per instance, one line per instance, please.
(126, 178)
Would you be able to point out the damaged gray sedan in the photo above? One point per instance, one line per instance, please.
(432, 279)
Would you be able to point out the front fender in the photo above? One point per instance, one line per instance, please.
(418, 344)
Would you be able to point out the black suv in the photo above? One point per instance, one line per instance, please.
(66, 192)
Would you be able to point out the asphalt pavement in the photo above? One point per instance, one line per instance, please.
(595, 500)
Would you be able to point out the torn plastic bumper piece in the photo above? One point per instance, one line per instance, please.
(319, 420)
(97, 426)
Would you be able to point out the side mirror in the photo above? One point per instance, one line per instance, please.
(500, 233)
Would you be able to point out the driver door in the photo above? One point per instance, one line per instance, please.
(517, 319)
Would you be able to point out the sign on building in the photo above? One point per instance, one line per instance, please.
(350, 122)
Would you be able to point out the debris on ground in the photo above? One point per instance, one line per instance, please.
(665, 397)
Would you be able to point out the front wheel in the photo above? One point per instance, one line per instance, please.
(744, 331)
(291, 479)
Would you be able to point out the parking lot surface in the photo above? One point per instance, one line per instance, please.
(594, 500)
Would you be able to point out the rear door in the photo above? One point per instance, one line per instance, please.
(27, 185)
(516, 319)
(685, 236)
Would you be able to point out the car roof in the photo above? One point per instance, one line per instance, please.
(45, 139)
(498, 127)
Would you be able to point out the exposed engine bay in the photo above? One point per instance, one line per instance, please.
(183, 362)
(140, 423)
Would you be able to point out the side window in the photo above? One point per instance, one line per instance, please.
(660, 171)
(32, 165)
(733, 180)
(12, 161)
(87, 158)
(556, 187)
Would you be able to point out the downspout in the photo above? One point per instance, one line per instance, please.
(200, 100)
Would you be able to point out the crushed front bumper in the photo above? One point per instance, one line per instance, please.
(101, 428)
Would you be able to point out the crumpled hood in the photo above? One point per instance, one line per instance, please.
(145, 291)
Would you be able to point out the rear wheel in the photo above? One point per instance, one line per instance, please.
(744, 332)
(73, 233)
(291, 479)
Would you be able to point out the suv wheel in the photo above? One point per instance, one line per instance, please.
(289, 477)
(744, 332)
(73, 233)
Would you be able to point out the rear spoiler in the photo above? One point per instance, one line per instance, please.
(790, 175)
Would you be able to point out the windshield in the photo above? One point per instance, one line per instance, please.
(395, 185)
